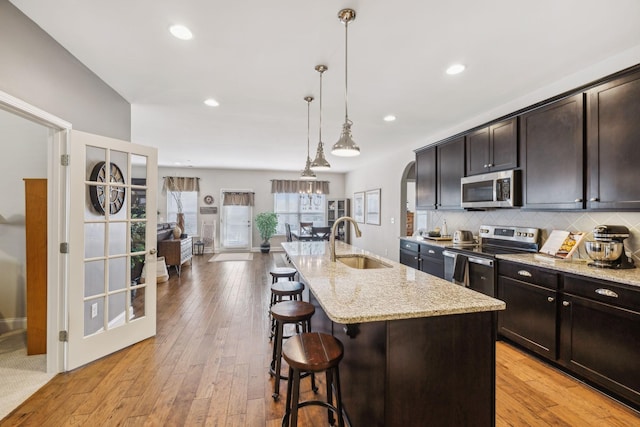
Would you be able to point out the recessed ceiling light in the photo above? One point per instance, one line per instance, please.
(211, 102)
(389, 118)
(181, 32)
(455, 69)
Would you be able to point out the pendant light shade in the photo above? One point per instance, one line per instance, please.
(307, 173)
(320, 162)
(346, 147)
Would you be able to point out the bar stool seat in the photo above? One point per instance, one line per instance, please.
(287, 312)
(313, 352)
(283, 272)
(282, 291)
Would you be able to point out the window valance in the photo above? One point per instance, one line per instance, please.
(237, 198)
(180, 183)
(295, 186)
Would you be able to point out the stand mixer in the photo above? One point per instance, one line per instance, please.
(607, 250)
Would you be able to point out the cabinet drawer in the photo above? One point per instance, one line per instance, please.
(526, 273)
(409, 246)
(607, 292)
(428, 251)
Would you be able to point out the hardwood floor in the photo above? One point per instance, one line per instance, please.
(208, 365)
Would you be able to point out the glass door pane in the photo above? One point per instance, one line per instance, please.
(236, 227)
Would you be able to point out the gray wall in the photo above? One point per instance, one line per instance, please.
(24, 155)
(36, 69)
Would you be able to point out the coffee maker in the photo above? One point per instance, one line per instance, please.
(607, 250)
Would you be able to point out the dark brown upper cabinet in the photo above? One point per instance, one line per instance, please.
(551, 150)
(613, 144)
(426, 178)
(450, 168)
(493, 148)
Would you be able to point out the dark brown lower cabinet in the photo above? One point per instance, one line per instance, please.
(600, 341)
(436, 371)
(530, 317)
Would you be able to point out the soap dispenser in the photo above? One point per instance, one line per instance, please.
(444, 232)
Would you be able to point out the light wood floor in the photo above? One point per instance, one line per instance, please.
(208, 366)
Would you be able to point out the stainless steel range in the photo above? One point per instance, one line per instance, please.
(474, 266)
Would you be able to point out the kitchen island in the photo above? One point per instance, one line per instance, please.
(418, 350)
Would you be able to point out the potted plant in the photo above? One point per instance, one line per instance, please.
(266, 223)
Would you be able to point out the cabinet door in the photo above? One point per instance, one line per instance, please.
(530, 316)
(433, 267)
(477, 144)
(503, 147)
(613, 132)
(602, 343)
(551, 141)
(426, 178)
(450, 170)
(410, 259)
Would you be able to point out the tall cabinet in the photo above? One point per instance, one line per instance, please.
(36, 268)
(335, 209)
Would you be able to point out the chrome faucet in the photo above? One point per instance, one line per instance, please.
(332, 239)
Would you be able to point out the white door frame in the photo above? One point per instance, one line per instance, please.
(222, 217)
(57, 221)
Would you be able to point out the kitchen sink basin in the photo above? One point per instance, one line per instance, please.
(361, 262)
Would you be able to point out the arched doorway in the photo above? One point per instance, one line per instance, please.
(408, 200)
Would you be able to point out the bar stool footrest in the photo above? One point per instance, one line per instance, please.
(285, 418)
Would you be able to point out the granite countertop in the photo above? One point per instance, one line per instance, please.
(629, 277)
(350, 295)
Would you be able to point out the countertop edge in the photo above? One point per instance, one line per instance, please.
(464, 301)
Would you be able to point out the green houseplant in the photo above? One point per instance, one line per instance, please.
(266, 222)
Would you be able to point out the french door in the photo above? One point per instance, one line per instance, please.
(112, 237)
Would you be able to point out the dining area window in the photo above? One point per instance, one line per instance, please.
(297, 208)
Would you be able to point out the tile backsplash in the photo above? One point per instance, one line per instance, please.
(545, 221)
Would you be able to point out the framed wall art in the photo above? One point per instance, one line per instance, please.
(358, 206)
(372, 203)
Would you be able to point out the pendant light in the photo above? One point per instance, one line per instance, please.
(320, 162)
(345, 146)
(307, 173)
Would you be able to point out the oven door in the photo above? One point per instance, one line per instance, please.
(482, 276)
(479, 273)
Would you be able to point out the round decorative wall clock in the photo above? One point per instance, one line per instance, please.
(208, 199)
(99, 195)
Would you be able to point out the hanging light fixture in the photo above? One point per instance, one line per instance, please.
(345, 146)
(320, 162)
(307, 173)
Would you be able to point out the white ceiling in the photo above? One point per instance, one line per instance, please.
(257, 59)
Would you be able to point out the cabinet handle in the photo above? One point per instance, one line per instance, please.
(565, 303)
(486, 165)
(415, 257)
(491, 165)
(551, 299)
(524, 273)
(577, 200)
(606, 293)
(431, 251)
(593, 199)
(407, 245)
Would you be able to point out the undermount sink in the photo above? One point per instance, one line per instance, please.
(361, 262)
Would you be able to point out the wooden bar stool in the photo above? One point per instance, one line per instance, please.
(310, 353)
(282, 291)
(287, 312)
(283, 272)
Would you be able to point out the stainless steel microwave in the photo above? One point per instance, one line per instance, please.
(491, 190)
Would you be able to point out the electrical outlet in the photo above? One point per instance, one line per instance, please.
(393, 220)
(94, 310)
